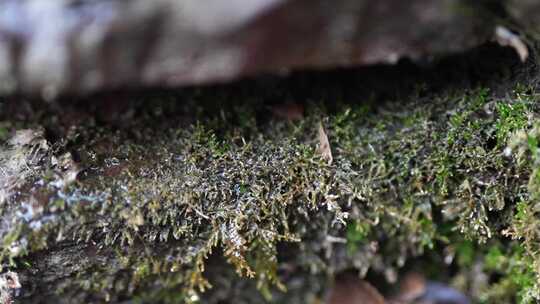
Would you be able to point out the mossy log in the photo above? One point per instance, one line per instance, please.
(203, 196)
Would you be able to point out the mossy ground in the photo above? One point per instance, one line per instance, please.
(202, 195)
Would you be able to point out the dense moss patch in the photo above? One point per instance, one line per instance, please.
(184, 202)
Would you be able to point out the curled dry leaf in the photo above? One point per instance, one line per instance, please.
(506, 38)
(324, 145)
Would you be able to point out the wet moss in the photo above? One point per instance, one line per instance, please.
(196, 205)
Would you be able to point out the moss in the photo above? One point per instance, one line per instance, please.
(517, 276)
(4, 130)
(513, 116)
(159, 202)
(357, 235)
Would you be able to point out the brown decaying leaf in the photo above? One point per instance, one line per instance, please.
(506, 38)
(411, 287)
(324, 145)
(290, 111)
(351, 290)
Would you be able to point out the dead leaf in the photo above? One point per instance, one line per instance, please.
(290, 111)
(506, 38)
(351, 290)
(415, 289)
(411, 287)
(324, 145)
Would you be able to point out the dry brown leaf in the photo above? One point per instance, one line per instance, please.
(411, 287)
(324, 145)
(506, 38)
(415, 289)
(352, 290)
(290, 111)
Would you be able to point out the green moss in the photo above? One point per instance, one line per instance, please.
(465, 254)
(357, 235)
(517, 277)
(516, 115)
(4, 130)
(418, 177)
